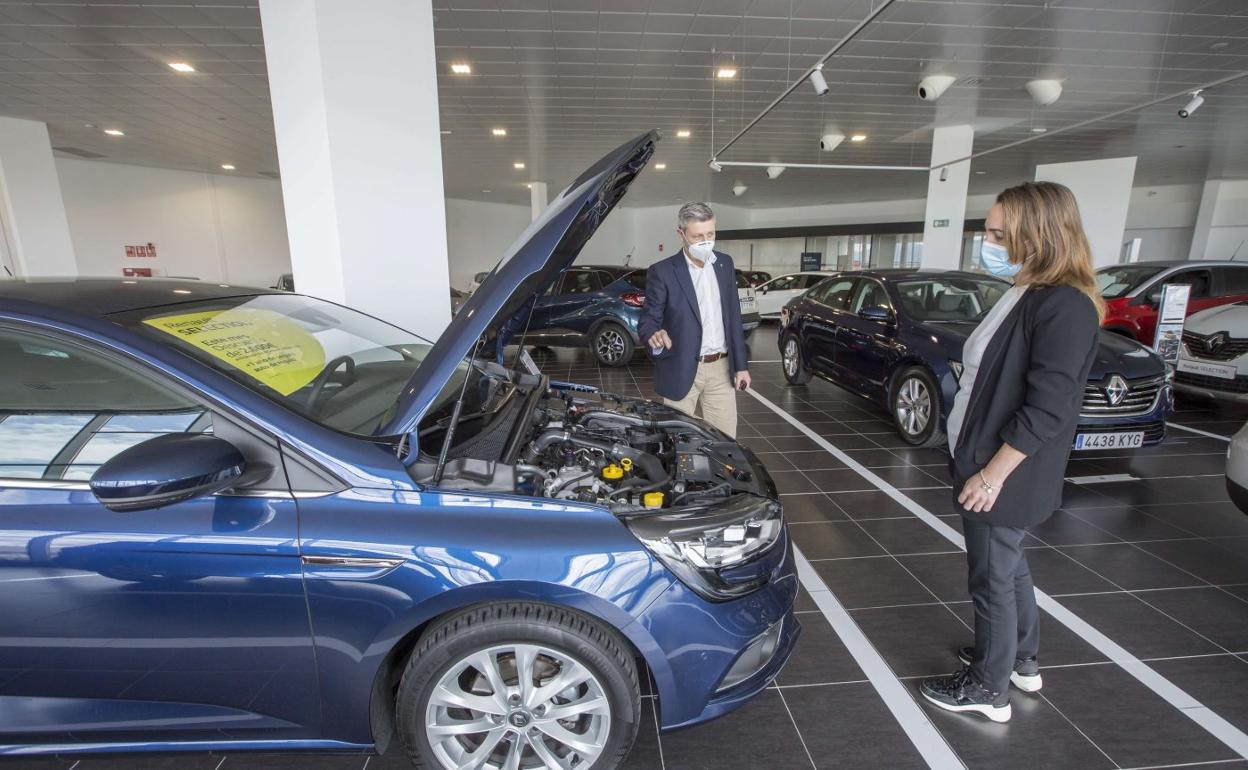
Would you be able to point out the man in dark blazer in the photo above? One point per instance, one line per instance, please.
(692, 322)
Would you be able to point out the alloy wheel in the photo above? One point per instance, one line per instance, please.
(790, 357)
(609, 345)
(518, 707)
(914, 406)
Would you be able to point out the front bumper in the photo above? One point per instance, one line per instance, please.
(1153, 423)
(1231, 391)
(750, 321)
(700, 642)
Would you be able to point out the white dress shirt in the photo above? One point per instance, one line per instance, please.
(710, 306)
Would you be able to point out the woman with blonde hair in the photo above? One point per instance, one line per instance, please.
(1011, 428)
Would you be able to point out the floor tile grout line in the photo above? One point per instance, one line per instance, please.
(1209, 720)
(927, 739)
(658, 736)
(1079, 730)
(801, 739)
(1198, 430)
(1184, 764)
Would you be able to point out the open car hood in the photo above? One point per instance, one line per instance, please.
(533, 263)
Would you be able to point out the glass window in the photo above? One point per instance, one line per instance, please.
(871, 294)
(1232, 280)
(1121, 280)
(581, 282)
(784, 283)
(834, 292)
(282, 345)
(65, 409)
(637, 279)
(949, 299)
(1200, 281)
(742, 281)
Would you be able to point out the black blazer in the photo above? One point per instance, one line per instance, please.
(1027, 393)
(672, 304)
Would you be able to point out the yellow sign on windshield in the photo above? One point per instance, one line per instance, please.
(266, 345)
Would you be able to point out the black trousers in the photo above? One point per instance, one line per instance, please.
(1007, 621)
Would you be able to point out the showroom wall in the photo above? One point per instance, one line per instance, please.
(213, 227)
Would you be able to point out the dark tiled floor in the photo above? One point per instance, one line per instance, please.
(1159, 565)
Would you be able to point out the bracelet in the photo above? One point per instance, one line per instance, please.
(984, 485)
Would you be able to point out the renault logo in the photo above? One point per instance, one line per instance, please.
(1215, 342)
(1116, 390)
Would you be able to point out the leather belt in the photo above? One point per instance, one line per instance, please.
(712, 358)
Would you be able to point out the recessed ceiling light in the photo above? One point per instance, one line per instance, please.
(181, 66)
(517, 165)
(461, 68)
(114, 132)
(858, 138)
(227, 166)
(683, 133)
(1218, 46)
(660, 166)
(181, 291)
(498, 131)
(1039, 130)
(446, 131)
(980, 173)
(487, 191)
(724, 73)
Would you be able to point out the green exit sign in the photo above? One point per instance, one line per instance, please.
(940, 223)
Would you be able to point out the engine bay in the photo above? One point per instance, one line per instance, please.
(627, 454)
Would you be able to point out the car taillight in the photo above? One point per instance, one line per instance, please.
(633, 298)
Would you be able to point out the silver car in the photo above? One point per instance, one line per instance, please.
(1237, 469)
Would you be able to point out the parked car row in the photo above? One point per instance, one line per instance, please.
(895, 337)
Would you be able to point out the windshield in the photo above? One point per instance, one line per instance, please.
(333, 365)
(1121, 280)
(949, 299)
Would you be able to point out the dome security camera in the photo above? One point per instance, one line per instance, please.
(817, 80)
(829, 142)
(932, 86)
(1192, 105)
(774, 172)
(739, 189)
(1044, 92)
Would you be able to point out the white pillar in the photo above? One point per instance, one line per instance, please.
(537, 199)
(32, 212)
(1204, 218)
(946, 198)
(355, 108)
(1103, 191)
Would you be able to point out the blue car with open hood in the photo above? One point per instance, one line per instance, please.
(236, 519)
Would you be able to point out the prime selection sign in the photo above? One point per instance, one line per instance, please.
(1170, 318)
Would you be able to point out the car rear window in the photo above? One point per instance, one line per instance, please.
(637, 279)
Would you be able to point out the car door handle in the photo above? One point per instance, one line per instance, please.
(350, 561)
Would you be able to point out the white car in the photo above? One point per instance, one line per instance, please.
(1213, 359)
(777, 292)
(1237, 469)
(749, 304)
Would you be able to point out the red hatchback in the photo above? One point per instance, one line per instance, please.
(1133, 291)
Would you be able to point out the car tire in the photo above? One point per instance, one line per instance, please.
(612, 345)
(914, 403)
(451, 662)
(795, 371)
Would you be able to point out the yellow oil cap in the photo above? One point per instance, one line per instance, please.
(613, 473)
(627, 464)
(652, 500)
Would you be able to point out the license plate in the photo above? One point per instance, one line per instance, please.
(1209, 370)
(1089, 441)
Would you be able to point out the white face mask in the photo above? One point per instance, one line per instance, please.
(702, 251)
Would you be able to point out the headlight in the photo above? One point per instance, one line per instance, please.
(711, 548)
(956, 368)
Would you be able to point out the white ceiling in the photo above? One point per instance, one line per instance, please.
(571, 78)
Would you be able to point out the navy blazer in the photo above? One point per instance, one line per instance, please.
(672, 304)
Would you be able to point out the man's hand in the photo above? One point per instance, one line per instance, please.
(660, 340)
(742, 380)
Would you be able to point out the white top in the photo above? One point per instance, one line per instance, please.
(973, 354)
(710, 305)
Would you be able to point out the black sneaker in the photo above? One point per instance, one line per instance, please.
(1026, 675)
(960, 692)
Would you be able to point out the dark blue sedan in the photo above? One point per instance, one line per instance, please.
(895, 337)
(236, 519)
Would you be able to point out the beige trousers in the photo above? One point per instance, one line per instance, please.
(712, 385)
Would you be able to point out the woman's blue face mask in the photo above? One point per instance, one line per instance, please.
(996, 260)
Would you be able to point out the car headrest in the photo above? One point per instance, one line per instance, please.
(949, 302)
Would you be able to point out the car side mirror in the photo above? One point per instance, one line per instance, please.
(878, 314)
(169, 469)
